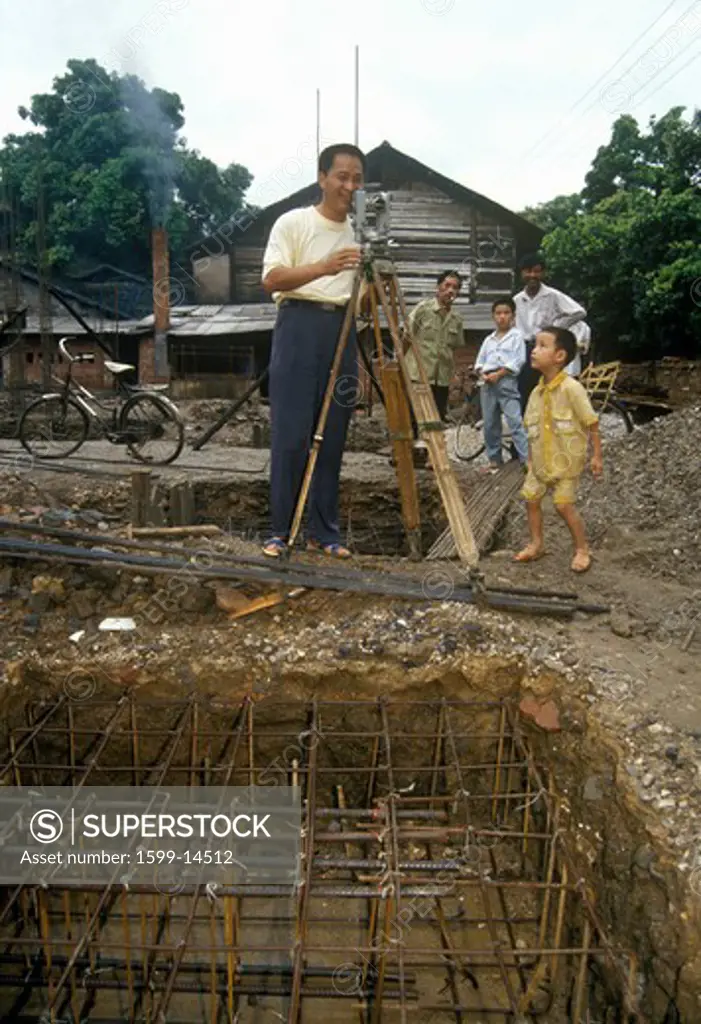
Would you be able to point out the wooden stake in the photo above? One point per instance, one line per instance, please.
(140, 496)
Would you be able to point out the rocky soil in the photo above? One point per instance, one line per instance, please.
(630, 678)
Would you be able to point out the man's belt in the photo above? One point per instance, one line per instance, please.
(327, 307)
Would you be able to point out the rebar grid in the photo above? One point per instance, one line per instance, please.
(434, 880)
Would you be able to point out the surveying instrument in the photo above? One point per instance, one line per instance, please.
(382, 292)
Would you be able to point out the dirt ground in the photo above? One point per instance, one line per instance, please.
(636, 667)
(628, 677)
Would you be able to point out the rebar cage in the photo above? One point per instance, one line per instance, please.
(434, 882)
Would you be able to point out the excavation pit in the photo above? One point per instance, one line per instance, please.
(435, 883)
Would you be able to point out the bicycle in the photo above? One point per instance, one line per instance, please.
(469, 435)
(142, 416)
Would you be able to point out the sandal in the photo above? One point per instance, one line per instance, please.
(274, 547)
(581, 562)
(528, 555)
(332, 550)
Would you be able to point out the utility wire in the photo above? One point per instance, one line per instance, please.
(644, 99)
(589, 91)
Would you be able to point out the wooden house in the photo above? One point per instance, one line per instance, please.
(436, 223)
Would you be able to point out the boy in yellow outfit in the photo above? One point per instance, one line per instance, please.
(559, 421)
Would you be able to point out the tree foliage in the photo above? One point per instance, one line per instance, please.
(555, 213)
(107, 157)
(628, 245)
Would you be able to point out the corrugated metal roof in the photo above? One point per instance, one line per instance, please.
(65, 326)
(205, 321)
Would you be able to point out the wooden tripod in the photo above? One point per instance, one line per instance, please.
(401, 394)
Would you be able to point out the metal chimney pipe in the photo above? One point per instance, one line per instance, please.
(161, 300)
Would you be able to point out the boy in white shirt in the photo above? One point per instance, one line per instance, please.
(499, 362)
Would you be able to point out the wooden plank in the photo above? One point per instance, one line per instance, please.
(486, 501)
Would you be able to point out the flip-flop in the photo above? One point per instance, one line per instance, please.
(274, 547)
(332, 550)
(582, 568)
(529, 558)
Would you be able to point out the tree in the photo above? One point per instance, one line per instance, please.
(630, 250)
(108, 156)
(555, 213)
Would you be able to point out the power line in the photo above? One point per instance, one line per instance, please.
(631, 66)
(589, 91)
(569, 143)
(669, 79)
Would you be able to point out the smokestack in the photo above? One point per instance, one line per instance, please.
(161, 301)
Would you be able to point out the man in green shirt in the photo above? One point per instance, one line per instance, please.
(437, 331)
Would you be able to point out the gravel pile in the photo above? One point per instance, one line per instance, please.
(653, 476)
(651, 488)
(652, 484)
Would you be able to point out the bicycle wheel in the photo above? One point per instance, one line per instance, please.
(614, 419)
(469, 441)
(53, 427)
(153, 431)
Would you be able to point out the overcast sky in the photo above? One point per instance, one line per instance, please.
(502, 97)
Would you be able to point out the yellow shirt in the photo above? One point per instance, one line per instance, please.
(557, 420)
(437, 335)
(303, 236)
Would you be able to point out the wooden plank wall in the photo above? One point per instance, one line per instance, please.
(433, 233)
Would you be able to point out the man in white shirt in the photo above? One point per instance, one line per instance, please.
(538, 306)
(309, 267)
(582, 333)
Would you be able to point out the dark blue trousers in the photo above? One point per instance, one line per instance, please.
(304, 344)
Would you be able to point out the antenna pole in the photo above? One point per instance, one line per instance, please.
(357, 77)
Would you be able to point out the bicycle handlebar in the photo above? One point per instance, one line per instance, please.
(83, 357)
(64, 350)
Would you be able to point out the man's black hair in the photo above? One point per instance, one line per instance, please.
(506, 301)
(445, 274)
(533, 259)
(328, 155)
(564, 340)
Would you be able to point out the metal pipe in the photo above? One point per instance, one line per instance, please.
(356, 134)
(301, 575)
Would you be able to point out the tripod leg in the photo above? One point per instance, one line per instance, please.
(401, 435)
(323, 415)
(429, 426)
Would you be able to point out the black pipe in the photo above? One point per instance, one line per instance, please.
(79, 320)
(101, 541)
(231, 411)
(301, 576)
